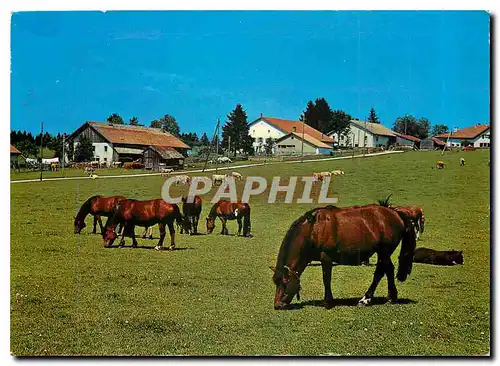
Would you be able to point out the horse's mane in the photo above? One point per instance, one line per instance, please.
(85, 209)
(290, 235)
(385, 203)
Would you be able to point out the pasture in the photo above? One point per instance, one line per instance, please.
(214, 294)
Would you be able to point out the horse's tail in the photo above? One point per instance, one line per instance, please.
(407, 248)
(177, 215)
(246, 222)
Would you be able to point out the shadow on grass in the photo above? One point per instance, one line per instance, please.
(352, 301)
(147, 247)
(318, 264)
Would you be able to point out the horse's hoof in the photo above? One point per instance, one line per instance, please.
(391, 300)
(157, 247)
(364, 301)
(327, 304)
(171, 248)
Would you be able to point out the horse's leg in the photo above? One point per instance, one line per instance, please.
(195, 223)
(224, 229)
(124, 234)
(239, 225)
(326, 265)
(391, 286)
(95, 224)
(161, 227)
(171, 230)
(132, 234)
(100, 224)
(145, 232)
(377, 276)
(151, 232)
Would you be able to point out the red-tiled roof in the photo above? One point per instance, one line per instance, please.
(137, 135)
(466, 133)
(408, 137)
(13, 150)
(287, 126)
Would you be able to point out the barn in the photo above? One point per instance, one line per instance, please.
(14, 157)
(431, 143)
(157, 157)
(117, 142)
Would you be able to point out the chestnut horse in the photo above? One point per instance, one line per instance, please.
(345, 236)
(192, 212)
(143, 213)
(226, 210)
(96, 206)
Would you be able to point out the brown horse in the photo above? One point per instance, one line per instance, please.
(96, 206)
(143, 213)
(226, 210)
(345, 236)
(192, 212)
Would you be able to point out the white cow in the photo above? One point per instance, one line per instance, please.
(337, 172)
(166, 171)
(224, 159)
(235, 175)
(182, 179)
(218, 178)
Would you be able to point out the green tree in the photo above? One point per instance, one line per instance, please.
(269, 145)
(341, 122)
(134, 121)
(204, 139)
(27, 148)
(170, 125)
(318, 115)
(439, 129)
(155, 123)
(84, 150)
(409, 125)
(373, 118)
(235, 132)
(115, 119)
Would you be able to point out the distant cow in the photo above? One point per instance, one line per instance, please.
(235, 175)
(166, 171)
(337, 172)
(223, 159)
(438, 257)
(182, 179)
(321, 176)
(218, 178)
(440, 165)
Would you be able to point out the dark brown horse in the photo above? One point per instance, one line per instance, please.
(438, 257)
(226, 210)
(96, 206)
(131, 213)
(344, 236)
(192, 212)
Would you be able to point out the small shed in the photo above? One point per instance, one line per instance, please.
(14, 157)
(431, 143)
(156, 157)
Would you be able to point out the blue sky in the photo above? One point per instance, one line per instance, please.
(70, 67)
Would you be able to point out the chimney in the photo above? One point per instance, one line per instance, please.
(294, 128)
(455, 129)
(261, 115)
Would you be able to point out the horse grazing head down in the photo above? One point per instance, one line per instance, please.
(210, 224)
(287, 286)
(79, 225)
(109, 237)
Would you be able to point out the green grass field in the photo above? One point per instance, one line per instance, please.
(214, 296)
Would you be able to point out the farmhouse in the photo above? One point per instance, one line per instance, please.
(294, 144)
(366, 134)
(123, 143)
(477, 135)
(265, 128)
(431, 143)
(14, 156)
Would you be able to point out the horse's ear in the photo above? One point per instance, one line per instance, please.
(272, 268)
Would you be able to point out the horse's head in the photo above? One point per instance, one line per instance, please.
(210, 224)
(456, 257)
(109, 236)
(79, 225)
(287, 286)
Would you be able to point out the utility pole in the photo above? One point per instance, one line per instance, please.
(302, 153)
(41, 153)
(217, 147)
(210, 147)
(63, 156)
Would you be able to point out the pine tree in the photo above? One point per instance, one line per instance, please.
(373, 118)
(235, 132)
(318, 115)
(204, 139)
(134, 121)
(115, 119)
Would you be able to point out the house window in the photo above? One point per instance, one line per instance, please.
(105, 159)
(259, 139)
(268, 131)
(376, 138)
(105, 149)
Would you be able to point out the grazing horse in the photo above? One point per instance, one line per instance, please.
(440, 165)
(192, 212)
(345, 236)
(226, 210)
(96, 206)
(143, 213)
(438, 257)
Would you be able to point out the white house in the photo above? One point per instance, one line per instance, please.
(265, 128)
(365, 134)
(478, 136)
